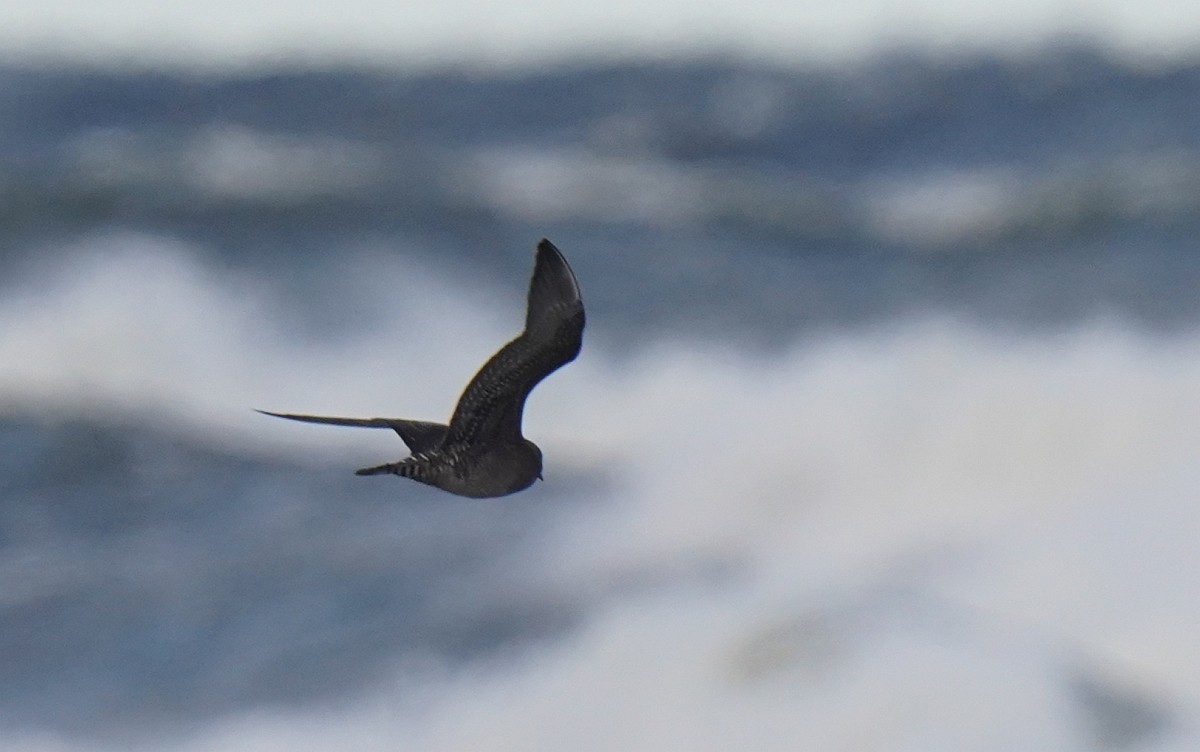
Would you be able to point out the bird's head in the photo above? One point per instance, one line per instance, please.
(535, 453)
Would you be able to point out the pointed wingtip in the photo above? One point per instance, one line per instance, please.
(553, 284)
(548, 251)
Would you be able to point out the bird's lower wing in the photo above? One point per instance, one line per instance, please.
(419, 435)
(358, 422)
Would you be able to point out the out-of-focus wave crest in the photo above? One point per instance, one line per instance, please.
(922, 505)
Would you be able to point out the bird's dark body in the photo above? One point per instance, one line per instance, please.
(482, 453)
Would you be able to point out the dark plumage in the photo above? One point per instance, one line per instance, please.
(482, 452)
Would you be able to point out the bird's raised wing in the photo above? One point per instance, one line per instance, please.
(490, 407)
(419, 435)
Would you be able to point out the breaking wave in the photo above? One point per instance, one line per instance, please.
(918, 534)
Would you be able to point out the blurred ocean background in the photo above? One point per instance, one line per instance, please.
(884, 437)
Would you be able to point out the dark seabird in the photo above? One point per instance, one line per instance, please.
(482, 452)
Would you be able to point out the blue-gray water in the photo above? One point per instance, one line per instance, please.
(883, 437)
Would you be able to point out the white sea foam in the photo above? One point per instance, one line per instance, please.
(914, 537)
(133, 323)
(224, 33)
(939, 210)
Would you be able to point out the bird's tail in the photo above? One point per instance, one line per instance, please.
(392, 468)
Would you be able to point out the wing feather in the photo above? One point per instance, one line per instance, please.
(491, 406)
(419, 435)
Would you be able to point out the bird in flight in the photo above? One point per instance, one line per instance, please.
(482, 453)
